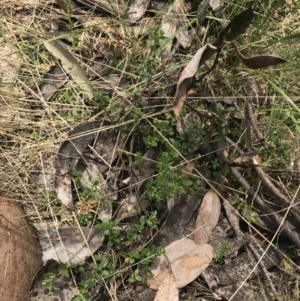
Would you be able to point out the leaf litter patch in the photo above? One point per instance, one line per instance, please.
(83, 151)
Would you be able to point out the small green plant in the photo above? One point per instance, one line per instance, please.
(246, 210)
(221, 253)
(71, 24)
(48, 280)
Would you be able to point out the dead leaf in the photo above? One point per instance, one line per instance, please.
(216, 7)
(168, 28)
(208, 217)
(178, 218)
(64, 287)
(137, 9)
(168, 290)
(249, 159)
(64, 191)
(188, 260)
(70, 245)
(69, 154)
(70, 65)
(79, 139)
(184, 38)
(52, 81)
(21, 256)
(258, 61)
(238, 25)
(102, 196)
(133, 205)
(202, 12)
(186, 75)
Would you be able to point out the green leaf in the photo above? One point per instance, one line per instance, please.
(291, 37)
(70, 65)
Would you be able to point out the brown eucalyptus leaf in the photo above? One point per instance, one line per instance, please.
(21, 256)
(70, 245)
(70, 65)
(259, 61)
(187, 74)
(137, 9)
(168, 290)
(188, 260)
(208, 217)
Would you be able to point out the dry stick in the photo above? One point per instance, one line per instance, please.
(265, 271)
(295, 211)
(262, 175)
(234, 221)
(249, 109)
(276, 219)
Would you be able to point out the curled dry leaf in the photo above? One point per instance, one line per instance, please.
(188, 260)
(259, 61)
(20, 252)
(187, 74)
(70, 65)
(70, 245)
(208, 217)
(168, 290)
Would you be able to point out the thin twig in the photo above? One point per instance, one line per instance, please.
(276, 219)
(295, 211)
(264, 270)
